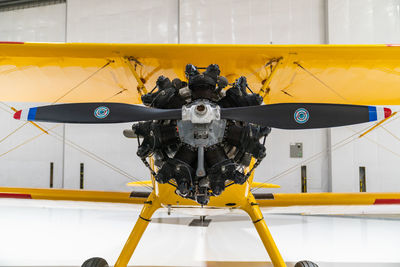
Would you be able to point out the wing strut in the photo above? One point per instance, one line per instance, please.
(141, 88)
(377, 125)
(264, 91)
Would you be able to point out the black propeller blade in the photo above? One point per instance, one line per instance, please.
(284, 116)
(305, 115)
(96, 113)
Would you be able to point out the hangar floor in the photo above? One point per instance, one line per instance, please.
(49, 233)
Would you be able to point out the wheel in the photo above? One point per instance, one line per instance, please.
(306, 264)
(95, 262)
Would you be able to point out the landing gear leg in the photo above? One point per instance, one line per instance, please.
(150, 206)
(252, 208)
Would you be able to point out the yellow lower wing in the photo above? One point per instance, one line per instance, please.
(264, 200)
(317, 199)
(264, 185)
(67, 194)
(141, 183)
(253, 184)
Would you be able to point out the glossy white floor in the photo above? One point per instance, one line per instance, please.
(49, 233)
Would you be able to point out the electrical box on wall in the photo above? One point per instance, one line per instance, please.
(296, 150)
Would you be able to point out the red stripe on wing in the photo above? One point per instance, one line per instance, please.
(6, 42)
(12, 195)
(386, 201)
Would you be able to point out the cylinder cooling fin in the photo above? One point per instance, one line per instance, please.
(202, 153)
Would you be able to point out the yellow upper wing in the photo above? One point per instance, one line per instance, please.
(56, 72)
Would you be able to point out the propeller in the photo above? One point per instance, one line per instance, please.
(101, 112)
(305, 115)
(284, 116)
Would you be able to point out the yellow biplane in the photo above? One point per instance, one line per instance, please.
(201, 131)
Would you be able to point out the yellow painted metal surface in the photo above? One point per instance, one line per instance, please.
(41, 72)
(234, 194)
(232, 197)
(151, 205)
(377, 125)
(250, 206)
(141, 183)
(264, 185)
(141, 88)
(67, 194)
(315, 199)
(265, 89)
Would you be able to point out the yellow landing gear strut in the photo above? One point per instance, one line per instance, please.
(150, 206)
(253, 210)
(153, 203)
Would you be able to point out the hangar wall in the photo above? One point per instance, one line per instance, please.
(25, 156)
(192, 21)
(367, 22)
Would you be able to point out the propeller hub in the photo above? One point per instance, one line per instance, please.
(201, 109)
(201, 124)
(201, 112)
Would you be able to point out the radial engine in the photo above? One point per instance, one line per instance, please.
(201, 154)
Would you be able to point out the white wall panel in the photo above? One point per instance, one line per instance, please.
(37, 24)
(376, 151)
(364, 22)
(28, 165)
(107, 143)
(122, 21)
(26, 155)
(280, 169)
(225, 21)
(297, 21)
(252, 22)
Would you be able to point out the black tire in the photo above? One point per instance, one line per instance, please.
(95, 262)
(306, 264)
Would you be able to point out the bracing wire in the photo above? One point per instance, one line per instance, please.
(82, 82)
(6, 110)
(98, 159)
(13, 132)
(79, 148)
(70, 143)
(314, 157)
(338, 145)
(321, 81)
(73, 145)
(25, 142)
